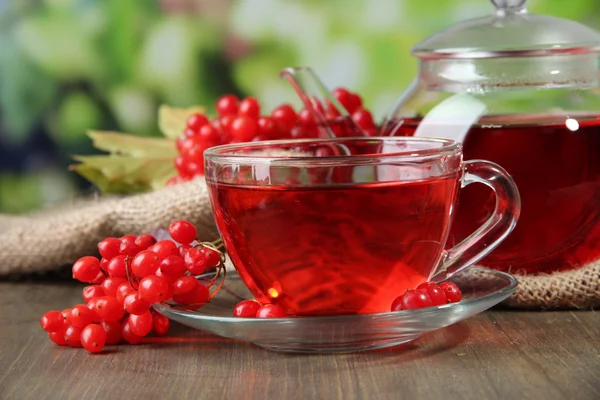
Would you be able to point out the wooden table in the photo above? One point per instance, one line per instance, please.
(496, 355)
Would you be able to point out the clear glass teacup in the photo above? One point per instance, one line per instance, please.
(344, 226)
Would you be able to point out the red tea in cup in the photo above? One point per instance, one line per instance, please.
(347, 232)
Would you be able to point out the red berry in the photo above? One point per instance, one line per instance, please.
(160, 324)
(164, 248)
(184, 285)
(304, 132)
(182, 231)
(128, 335)
(117, 267)
(363, 118)
(413, 299)
(355, 103)
(104, 263)
(227, 105)
(58, 337)
(86, 269)
(305, 117)
(123, 290)
(155, 289)
(80, 316)
(212, 257)
(246, 309)
(128, 246)
(285, 117)
(195, 261)
(188, 133)
(109, 247)
(453, 293)
(52, 321)
(144, 241)
(65, 313)
(141, 325)
(349, 100)
(243, 129)
(134, 304)
(92, 306)
(145, 263)
(110, 285)
(89, 292)
(332, 111)
(197, 121)
(73, 336)
(109, 309)
(209, 134)
(194, 299)
(93, 338)
(267, 128)
(397, 304)
(173, 266)
(436, 294)
(98, 279)
(271, 311)
(250, 108)
(113, 331)
(183, 249)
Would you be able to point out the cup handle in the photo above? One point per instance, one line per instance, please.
(503, 220)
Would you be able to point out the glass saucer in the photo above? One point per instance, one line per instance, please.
(481, 289)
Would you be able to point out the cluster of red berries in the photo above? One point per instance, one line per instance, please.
(241, 121)
(428, 294)
(133, 273)
(253, 309)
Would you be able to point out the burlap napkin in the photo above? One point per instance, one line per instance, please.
(53, 239)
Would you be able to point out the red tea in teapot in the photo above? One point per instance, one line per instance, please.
(335, 249)
(556, 167)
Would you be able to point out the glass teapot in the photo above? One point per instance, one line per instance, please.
(520, 90)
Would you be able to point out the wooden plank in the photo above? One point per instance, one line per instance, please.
(496, 355)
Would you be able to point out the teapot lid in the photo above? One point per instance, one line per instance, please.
(510, 32)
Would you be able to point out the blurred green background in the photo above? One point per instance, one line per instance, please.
(71, 65)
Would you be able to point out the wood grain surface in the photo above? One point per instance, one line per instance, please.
(496, 355)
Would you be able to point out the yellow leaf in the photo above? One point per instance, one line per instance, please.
(135, 146)
(172, 121)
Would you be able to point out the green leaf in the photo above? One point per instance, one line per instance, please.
(134, 146)
(125, 174)
(172, 121)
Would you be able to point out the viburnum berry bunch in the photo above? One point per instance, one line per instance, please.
(240, 121)
(133, 273)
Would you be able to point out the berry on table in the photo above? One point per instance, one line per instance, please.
(128, 335)
(113, 331)
(154, 289)
(80, 316)
(86, 269)
(109, 247)
(52, 321)
(182, 231)
(141, 324)
(144, 241)
(89, 292)
(109, 309)
(160, 324)
(135, 305)
(145, 263)
(93, 338)
(73, 336)
(111, 284)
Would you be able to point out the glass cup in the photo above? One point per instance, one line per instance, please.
(344, 226)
